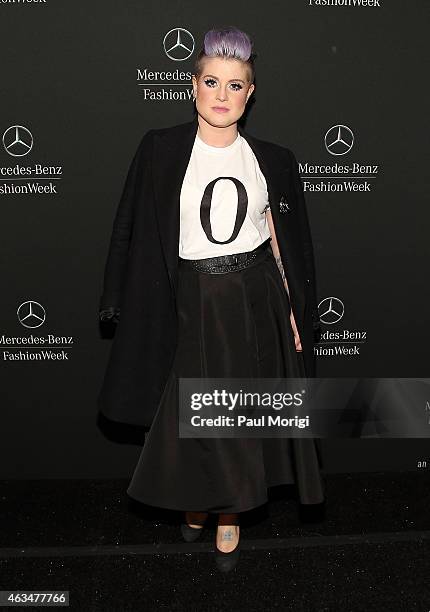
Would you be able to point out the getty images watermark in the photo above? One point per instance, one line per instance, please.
(304, 407)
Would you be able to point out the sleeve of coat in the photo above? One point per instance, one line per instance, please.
(116, 261)
(306, 241)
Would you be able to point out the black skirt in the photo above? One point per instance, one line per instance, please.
(235, 324)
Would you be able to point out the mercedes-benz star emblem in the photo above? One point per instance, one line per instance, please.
(178, 44)
(339, 140)
(331, 310)
(31, 314)
(17, 140)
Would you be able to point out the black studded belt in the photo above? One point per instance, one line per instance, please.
(228, 263)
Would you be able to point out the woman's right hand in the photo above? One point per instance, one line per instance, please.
(297, 340)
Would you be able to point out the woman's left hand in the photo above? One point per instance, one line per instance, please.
(296, 333)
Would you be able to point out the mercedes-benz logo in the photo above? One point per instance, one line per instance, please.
(331, 310)
(339, 140)
(17, 140)
(31, 314)
(178, 44)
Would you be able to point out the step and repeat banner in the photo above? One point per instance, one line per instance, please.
(339, 82)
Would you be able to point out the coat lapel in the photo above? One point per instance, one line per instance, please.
(171, 154)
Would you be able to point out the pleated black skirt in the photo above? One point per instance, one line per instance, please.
(235, 324)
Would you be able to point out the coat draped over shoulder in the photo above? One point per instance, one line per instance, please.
(140, 278)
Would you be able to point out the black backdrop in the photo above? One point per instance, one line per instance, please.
(79, 80)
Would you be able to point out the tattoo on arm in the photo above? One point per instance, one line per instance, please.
(281, 268)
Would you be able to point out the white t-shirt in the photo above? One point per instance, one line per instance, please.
(229, 210)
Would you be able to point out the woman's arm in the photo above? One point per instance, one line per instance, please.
(277, 256)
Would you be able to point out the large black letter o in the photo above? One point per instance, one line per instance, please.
(205, 209)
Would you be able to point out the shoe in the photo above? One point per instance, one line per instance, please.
(226, 561)
(190, 534)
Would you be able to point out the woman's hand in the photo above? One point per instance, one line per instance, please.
(296, 333)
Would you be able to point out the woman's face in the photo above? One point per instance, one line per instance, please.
(222, 83)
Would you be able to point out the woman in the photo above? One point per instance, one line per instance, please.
(235, 310)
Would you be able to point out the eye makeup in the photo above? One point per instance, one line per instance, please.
(209, 80)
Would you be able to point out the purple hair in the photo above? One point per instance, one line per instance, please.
(228, 42)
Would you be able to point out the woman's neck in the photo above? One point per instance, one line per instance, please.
(217, 136)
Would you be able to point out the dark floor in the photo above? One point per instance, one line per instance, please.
(367, 548)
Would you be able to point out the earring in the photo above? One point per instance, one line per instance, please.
(194, 97)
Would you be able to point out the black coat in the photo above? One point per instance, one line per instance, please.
(141, 271)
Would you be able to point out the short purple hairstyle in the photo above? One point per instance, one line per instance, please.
(228, 42)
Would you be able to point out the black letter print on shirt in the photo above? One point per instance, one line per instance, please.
(205, 209)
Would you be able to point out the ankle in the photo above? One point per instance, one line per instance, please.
(195, 518)
(228, 529)
(228, 519)
(196, 513)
